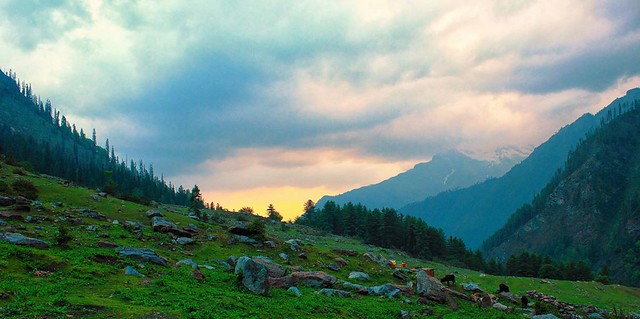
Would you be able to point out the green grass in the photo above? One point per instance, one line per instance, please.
(81, 287)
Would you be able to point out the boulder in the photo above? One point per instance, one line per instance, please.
(384, 290)
(142, 254)
(185, 241)
(363, 290)
(274, 270)
(19, 239)
(294, 290)
(378, 259)
(130, 271)
(93, 214)
(341, 261)
(400, 275)
(154, 213)
(429, 287)
(333, 292)
(316, 279)
(162, 225)
(358, 275)
(188, 262)
(471, 286)
(333, 267)
(501, 307)
(6, 200)
(253, 275)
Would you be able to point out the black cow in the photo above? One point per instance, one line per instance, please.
(448, 279)
(503, 288)
(525, 302)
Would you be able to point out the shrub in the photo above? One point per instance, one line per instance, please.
(258, 228)
(19, 171)
(25, 188)
(4, 187)
(63, 237)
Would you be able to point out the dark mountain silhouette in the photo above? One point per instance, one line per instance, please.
(446, 171)
(35, 134)
(476, 212)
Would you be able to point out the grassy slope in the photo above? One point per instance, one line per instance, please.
(82, 287)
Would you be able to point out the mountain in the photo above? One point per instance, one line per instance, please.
(590, 210)
(445, 171)
(476, 212)
(35, 134)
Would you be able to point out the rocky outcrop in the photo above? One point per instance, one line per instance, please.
(254, 276)
(274, 270)
(429, 287)
(19, 239)
(142, 254)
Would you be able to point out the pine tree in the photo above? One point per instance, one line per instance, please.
(273, 214)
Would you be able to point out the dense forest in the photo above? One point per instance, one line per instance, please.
(387, 228)
(38, 137)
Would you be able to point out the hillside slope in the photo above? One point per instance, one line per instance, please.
(86, 277)
(446, 171)
(476, 212)
(591, 210)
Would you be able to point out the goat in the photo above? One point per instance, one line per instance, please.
(448, 279)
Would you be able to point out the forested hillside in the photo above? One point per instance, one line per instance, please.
(475, 213)
(34, 133)
(591, 209)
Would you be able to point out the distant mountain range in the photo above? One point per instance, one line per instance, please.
(590, 210)
(476, 212)
(445, 171)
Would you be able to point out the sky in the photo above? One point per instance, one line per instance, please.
(276, 102)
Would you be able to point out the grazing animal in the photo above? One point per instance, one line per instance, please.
(503, 288)
(448, 279)
(525, 302)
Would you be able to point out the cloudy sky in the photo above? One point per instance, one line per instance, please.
(277, 102)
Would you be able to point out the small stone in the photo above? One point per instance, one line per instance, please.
(116, 222)
(333, 292)
(185, 241)
(188, 262)
(358, 275)
(333, 267)
(294, 290)
(212, 237)
(92, 228)
(283, 256)
(130, 271)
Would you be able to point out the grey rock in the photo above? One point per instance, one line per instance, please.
(546, 316)
(382, 290)
(274, 270)
(241, 229)
(154, 213)
(185, 241)
(333, 292)
(358, 275)
(132, 225)
(429, 287)
(212, 237)
(246, 240)
(283, 256)
(92, 228)
(471, 286)
(355, 287)
(115, 222)
(2, 222)
(38, 227)
(142, 254)
(333, 267)
(400, 275)
(93, 214)
(130, 271)
(222, 263)
(315, 279)
(595, 315)
(188, 262)
(634, 315)
(162, 225)
(207, 267)
(96, 197)
(294, 290)
(341, 261)
(501, 307)
(254, 275)
(19, 239)
(29, 219)
(232, 260)
(57, 204)
(6, 200)
(102, 194)
(270, 244)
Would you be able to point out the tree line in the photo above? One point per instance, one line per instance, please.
(37, 136)
(389, 229)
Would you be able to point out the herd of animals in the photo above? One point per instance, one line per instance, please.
(450, 279)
